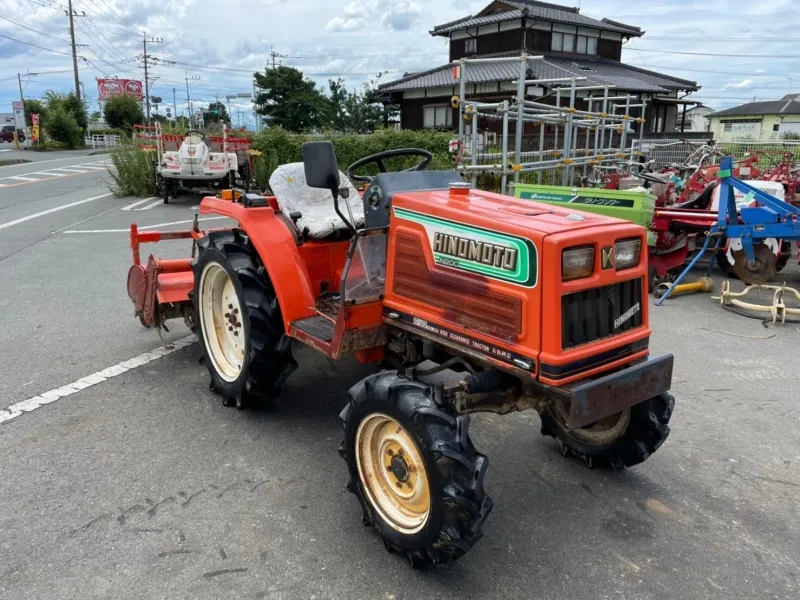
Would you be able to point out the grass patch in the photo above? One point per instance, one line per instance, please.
(133, 172)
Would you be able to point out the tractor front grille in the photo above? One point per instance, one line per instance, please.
(598, 313)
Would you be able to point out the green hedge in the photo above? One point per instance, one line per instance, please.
(279, 147)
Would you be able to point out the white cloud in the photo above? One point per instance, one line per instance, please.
(392, 15)
(743, 84)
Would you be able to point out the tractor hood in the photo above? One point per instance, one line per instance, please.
(506, 212)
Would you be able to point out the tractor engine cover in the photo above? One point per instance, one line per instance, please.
(482, 273)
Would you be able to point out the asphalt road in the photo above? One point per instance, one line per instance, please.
(143, 486)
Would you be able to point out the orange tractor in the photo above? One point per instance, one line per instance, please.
(468, 301)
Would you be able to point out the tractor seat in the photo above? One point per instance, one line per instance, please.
(703, 201)
(319, 220)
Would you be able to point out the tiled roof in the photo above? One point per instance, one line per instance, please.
(598, 71)
(537, 10)
(788, 105)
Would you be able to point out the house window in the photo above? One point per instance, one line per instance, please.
(471, 46)
(728, 127)
(578, 44)
(437, 116)
(776, 127)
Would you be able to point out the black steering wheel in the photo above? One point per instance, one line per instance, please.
(427, 157)
(651, 178)
(194, 132)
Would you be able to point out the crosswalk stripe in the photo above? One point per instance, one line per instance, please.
(149, 206)
(135, 204)
(21, 178)
(71, 170)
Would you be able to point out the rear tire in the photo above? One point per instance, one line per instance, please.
(435, 514)
(253, 367)
(621, 441)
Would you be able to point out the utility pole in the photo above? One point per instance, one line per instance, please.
(255, 114)
(189, 100)
(146, 80)
(174, 106)
(19, 79)
(71, 13)
(275, 56)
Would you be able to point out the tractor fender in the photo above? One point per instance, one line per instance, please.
(277, 249)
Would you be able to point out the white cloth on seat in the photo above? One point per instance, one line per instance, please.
(288, 183)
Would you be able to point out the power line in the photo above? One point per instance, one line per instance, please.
(38, 24)
(670, 68)
(35, 45)
(100, 12)
(52, 37)
(713, 54)
(105, 46)
(100, 33)
(115, 13)
(54, 5)
(721, 39)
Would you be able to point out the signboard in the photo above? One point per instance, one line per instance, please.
(35, 127)
(108, 88)
(19, 114)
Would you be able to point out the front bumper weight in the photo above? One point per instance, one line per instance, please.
(600, 398)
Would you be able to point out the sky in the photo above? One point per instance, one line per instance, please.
(217, 45)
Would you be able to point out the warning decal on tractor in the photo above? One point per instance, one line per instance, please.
(476, 250)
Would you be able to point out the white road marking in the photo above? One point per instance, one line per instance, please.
(52, 210)
(135, 204)
(149, 206)
(23, 178)
(31, 404)
(142, 228)
(71, 169)
(39, 162)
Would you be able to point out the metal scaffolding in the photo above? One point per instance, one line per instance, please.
(598, 125)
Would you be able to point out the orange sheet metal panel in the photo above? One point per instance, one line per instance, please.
(560, 365)
(453, 268)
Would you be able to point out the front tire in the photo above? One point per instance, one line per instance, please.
(244, 344)
(414, 469)
(622, 440)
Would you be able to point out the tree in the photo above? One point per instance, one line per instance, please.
(290, 100)
(353, 112)
(35, 106)
(62, 126)
(71, 104)
(216, 113)
(96, 116)
(123, 112)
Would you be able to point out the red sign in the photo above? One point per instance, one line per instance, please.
(35, 127)
(108, 88)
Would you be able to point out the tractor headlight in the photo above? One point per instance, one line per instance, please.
(628, 253)
(577, 263)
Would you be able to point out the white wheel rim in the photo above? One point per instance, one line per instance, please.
(393, 473)
(221, 320)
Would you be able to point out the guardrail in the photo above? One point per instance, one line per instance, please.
(102, 140)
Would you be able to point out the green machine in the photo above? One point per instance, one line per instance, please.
(637, 206)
